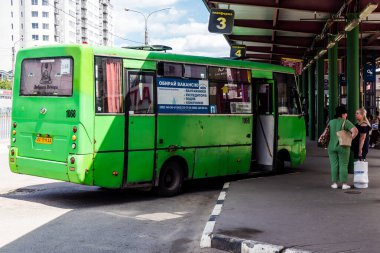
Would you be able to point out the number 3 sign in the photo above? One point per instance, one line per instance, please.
(221, 21)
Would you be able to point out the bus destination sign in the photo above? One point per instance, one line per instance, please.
(175, 95)
(221, 21)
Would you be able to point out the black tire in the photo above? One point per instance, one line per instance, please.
(171, 179)
(280, 163)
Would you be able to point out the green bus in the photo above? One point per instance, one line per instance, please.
(118, 118)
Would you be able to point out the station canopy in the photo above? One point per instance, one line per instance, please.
(298, 29)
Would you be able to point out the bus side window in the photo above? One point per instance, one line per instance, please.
(108, 85)
(288, 99)
(230, 98)
(141, 93)
(230, 91)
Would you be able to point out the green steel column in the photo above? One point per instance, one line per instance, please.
(333, 80)
(305, 98)
(311, 76)
(304, 85)
(320, 97)
(352, 70)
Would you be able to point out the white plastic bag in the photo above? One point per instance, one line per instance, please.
(361, 174)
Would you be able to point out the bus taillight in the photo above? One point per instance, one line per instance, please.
(73, 146)
(14, 132)
(12, 152)
(14, 124)
(74, 138)
(72, 160)
(75, 129)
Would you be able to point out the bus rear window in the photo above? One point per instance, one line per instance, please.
(47, 77)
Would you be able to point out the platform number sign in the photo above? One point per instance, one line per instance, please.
(221, 21)
(238, 51)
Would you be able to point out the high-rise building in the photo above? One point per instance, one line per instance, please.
(41, 22)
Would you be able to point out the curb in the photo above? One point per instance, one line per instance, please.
(237, 245)
(234, 244)
(209, 228)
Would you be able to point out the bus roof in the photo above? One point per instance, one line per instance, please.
(149, 55)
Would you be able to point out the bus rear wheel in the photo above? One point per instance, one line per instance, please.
(281, 158)
(171, 179)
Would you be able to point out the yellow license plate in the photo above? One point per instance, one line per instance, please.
(44, 140)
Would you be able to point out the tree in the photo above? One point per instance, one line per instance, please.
(6, 85)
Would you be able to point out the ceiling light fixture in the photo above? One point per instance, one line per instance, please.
(331, 44)
(371, 7)
(322, 52)
(338, 37)
(354, 23)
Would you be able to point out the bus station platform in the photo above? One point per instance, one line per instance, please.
(299, 210)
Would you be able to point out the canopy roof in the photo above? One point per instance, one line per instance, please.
(273, 29)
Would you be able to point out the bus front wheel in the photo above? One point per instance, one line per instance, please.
(171, 179)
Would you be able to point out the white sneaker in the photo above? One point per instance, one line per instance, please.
(334, 186)
(346, 187)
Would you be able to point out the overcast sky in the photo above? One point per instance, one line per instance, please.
(183, 27)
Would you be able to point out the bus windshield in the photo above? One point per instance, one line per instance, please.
(47, 77)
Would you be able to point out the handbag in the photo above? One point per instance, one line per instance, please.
(324, 139)
(344, 137)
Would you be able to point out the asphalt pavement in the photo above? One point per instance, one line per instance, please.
(42, 215)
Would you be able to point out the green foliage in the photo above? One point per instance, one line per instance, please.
(6, 85)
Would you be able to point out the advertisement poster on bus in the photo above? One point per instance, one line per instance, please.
(177, 95)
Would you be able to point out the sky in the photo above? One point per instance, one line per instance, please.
(183, 27)
(5, 32)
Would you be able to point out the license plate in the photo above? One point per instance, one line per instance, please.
(44, 140)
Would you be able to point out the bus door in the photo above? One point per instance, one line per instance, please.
(109, 122)
(265, 124)
(140, 126)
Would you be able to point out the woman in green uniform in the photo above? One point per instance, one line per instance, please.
(339, 155)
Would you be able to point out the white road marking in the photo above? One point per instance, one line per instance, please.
(217, 209)
(222, 196)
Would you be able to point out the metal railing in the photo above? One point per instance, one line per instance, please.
(5, 124)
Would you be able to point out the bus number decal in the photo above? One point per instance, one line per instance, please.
(71, 113)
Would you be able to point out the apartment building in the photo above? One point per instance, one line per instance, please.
(41, 22)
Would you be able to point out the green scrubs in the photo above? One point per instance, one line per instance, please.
(339, 156)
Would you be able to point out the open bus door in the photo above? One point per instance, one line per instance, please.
(266, 125)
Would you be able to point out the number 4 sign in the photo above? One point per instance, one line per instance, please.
(221, 21)
(238, 51)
